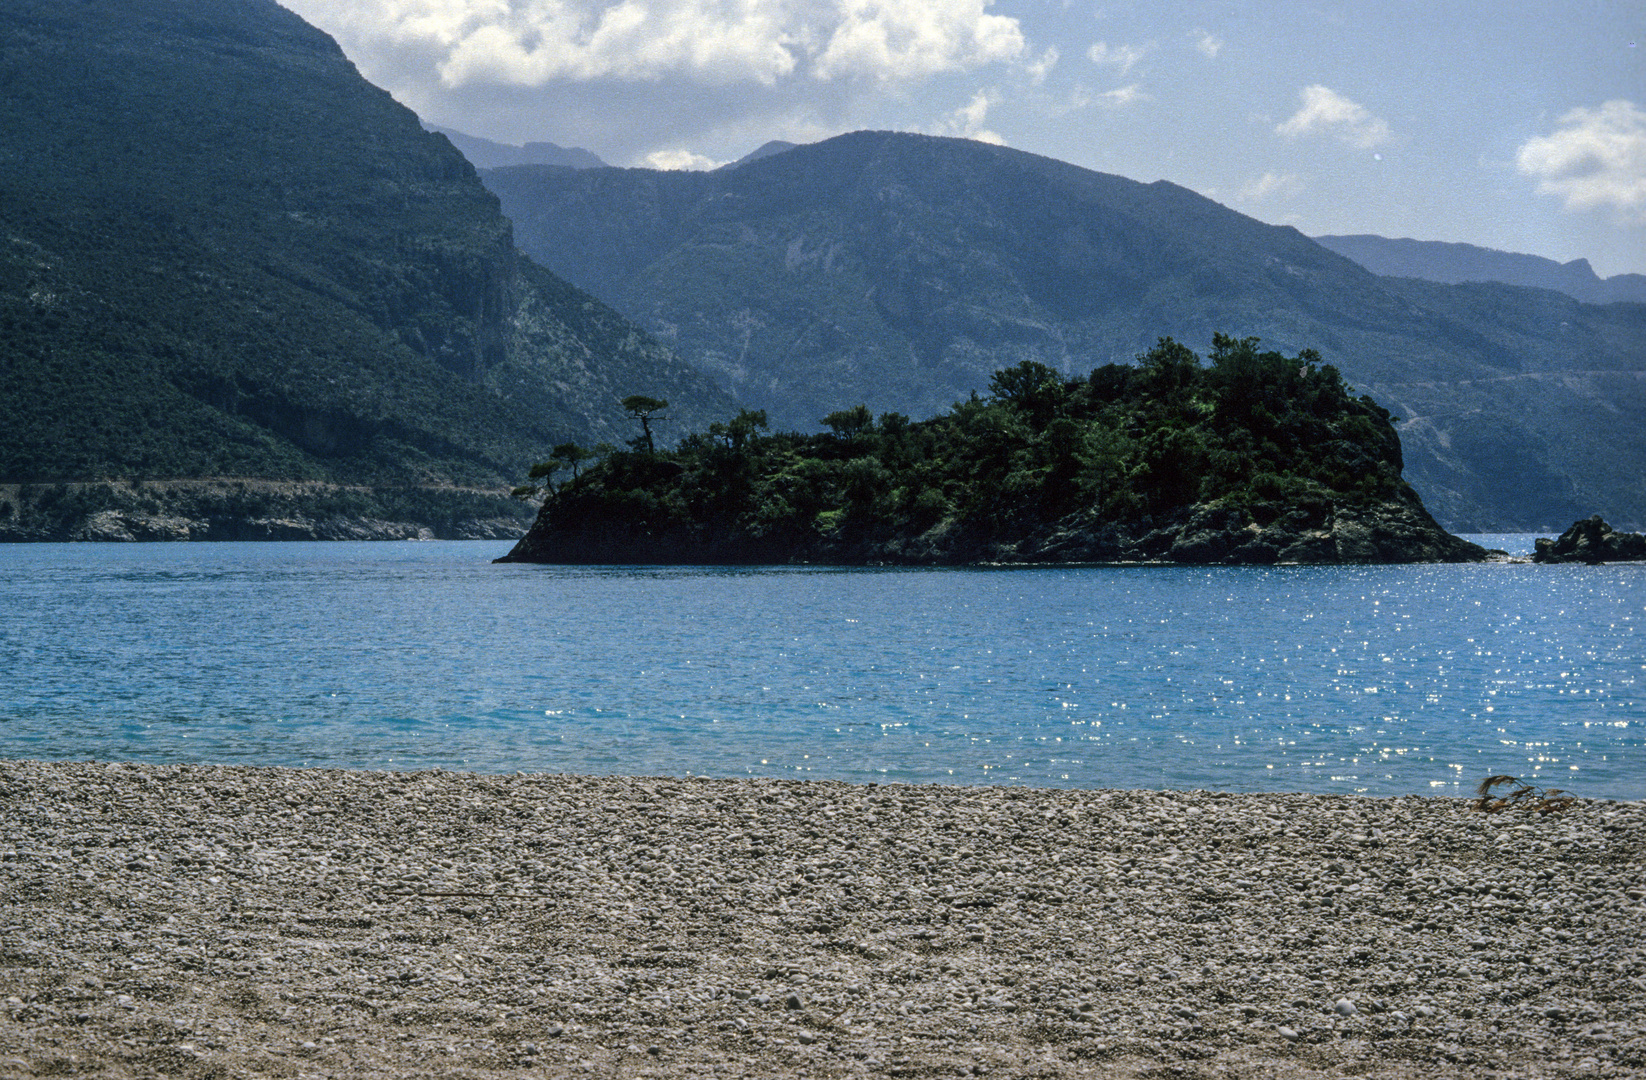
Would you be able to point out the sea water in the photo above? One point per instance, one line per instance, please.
(1366, 679)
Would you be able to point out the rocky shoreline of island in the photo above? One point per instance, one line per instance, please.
(1591, 540)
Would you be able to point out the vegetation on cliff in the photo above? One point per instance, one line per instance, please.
(1256, 457)
(223, 254)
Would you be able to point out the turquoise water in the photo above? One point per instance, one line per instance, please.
(1381, 680)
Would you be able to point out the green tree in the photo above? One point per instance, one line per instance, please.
(1168, 371)
(566, 455)
(542, 481)
(849, 423)
(571, 455)
(1033, 388)
(644, 409)
(1024, 381)
(741, 428)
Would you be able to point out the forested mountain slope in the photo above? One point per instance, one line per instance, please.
(901, 270)
(223, 254)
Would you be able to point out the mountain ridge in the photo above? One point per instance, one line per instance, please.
(900, 270)
(487, 154)
(764, 150)
(1456, 264)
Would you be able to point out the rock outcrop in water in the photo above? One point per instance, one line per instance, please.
(1591, 541)
(1257, 459)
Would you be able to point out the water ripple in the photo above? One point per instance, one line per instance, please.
(1357, 679)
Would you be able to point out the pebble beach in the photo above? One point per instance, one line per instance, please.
(223, 921)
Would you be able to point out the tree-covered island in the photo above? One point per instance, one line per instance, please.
(1253, 457)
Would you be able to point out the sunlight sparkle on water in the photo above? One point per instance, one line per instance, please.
(1356, 679)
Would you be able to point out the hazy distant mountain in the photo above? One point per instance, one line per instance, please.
(900, 271)
(1456, 263)
(485, 154)
(225, 255)
(764, 150)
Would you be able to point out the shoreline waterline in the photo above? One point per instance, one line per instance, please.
(1465, 793)
(266, 921)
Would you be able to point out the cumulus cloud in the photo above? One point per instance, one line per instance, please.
(680, 160)
(1206, 42)
(1325, 111)
(1037, 70)
(900, 39)
(529, 43)
(532, 43)
(1123, 57)
(968, 120)
(1081, 97)
(1596, 159)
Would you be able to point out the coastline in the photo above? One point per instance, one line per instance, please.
(240, 921)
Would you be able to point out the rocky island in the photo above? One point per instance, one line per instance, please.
(1252, 458)
(1591, 541)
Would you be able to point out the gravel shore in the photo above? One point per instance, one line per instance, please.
(203, 921)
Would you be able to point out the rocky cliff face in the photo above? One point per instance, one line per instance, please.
(1397, 530)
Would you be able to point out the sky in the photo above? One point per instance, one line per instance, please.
(1516, 126)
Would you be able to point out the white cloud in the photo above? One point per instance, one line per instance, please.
(1081, 97)
(1272, 185)
(894, 40)
(1123, 57)
(1121, 97)
(968, 120)
(531, 43)
(1328, 112)
(680, 160)
(1039, 69)
(1206, 42)
(1596, 159)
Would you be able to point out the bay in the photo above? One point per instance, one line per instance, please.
(1378, 680)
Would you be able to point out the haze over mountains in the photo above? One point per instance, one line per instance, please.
(226, 256)
(900, 270)
(486, 154)
(1454, 264)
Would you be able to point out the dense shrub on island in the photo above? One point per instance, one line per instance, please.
(1254, 457)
